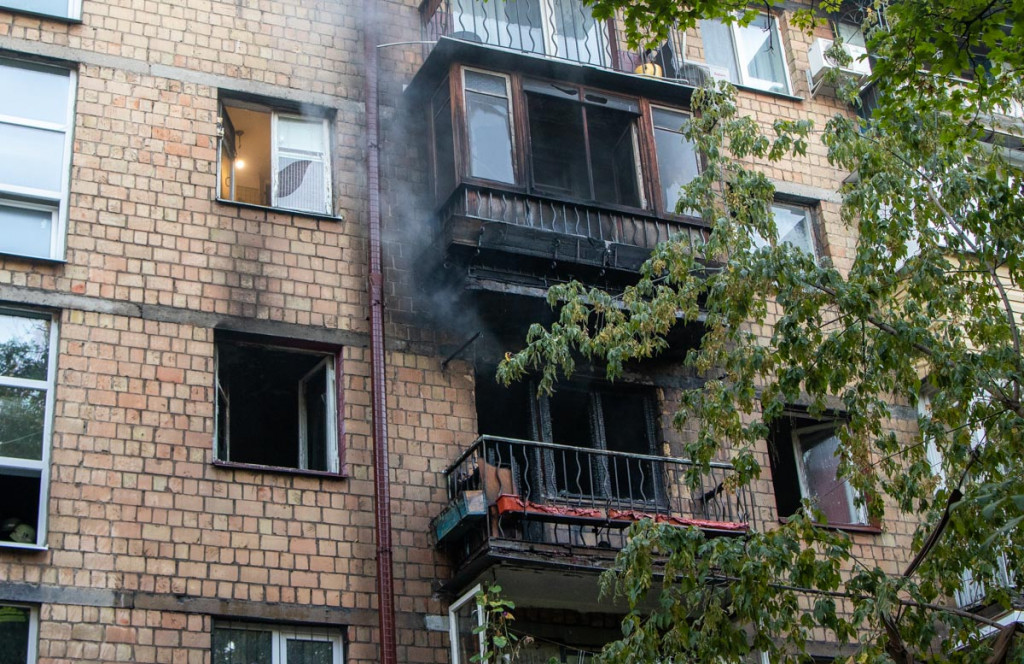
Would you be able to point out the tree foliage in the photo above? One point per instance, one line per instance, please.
(926, 306)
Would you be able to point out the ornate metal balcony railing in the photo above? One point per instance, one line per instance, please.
(561, 29)
(602, 228)
(973, 592)
(543, 493)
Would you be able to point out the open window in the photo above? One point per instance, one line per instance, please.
(27, 357)
(277, 405)
(583, 145)
(35, 157)
(805, 463)
(749, 55)
(464, 619)
(607, 428)
(19, 633)
(257, 643)
(275, 157)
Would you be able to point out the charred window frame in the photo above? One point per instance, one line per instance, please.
(490, 135)
(275, 155)
(677, 159)
(804, 465)
(442, 142)
(278, 404)
(583, 144)
(28, 359)
(588, 417)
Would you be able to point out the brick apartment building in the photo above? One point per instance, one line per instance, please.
(198, 379)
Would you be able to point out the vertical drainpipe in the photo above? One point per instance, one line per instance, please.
(388, 653)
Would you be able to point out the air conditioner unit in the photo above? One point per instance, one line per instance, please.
(820, 63)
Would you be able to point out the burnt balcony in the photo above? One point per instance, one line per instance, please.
(552, 505)
(479, 222)
(561, 30)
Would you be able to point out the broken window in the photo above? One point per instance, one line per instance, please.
(277, 405)
(608, 428)
(678, 164)
(275, 158)
(805, 464)
(583, 144)
(489, 126)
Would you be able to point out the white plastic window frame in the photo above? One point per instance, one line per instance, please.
(809, 224)
(453, 623)
(32, 467)
(736, 39)
(31, 198)
(74, 12)
(228, 102)
(858, 512)
(32, 653)
(333, 451)
(511, 120)
(281, 634)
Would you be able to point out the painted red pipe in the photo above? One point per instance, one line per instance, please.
(381, 464)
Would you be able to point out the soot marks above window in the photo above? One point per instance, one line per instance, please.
(277, 406)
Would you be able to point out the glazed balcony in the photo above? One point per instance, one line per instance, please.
(556, 505)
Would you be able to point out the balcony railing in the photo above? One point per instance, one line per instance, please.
(543, 493)
(564, 231)
(561, 29)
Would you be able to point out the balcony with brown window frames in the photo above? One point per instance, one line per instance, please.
(558, 504)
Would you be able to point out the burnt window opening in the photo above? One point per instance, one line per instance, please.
(277, 406)
(804, 465)
(594, 418)
(584, 150)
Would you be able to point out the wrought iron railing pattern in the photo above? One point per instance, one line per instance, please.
(561, 29)
(558, 494)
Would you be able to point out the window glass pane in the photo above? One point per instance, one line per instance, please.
(718, 47)
(760, 54)
(466, 621)
(31, 157)
(677, 157)
(22, 413)
(481, 82)
(821, 465)
(49, 99)
(851, 34)
(490, 137)
(558, 148)
(794, 227)
(24, 346)
(444, 146)
(297, 134)
(309, 652)
(241, 646)
(25, 231)
(52, 7)
(14, 634)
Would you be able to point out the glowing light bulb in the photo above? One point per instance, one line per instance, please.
(239, 164)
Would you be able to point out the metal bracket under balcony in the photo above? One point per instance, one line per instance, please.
(569, 507)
